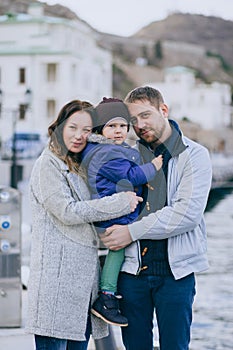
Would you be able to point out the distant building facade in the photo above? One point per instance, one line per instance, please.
(44, 63)
(208, 105)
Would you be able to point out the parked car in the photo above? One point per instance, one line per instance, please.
(27, 145)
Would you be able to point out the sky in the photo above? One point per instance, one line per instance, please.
(126, 17)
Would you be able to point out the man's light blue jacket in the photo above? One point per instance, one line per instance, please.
(182, 220)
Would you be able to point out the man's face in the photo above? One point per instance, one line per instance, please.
(148, 122)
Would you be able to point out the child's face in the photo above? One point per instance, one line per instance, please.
(116, 130)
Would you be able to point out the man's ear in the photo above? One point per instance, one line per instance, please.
(164, 110)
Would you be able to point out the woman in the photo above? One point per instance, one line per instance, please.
(64, 268)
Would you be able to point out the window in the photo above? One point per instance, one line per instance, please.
(51, 72)
(51, 105)
(22, 75)
(22, 111)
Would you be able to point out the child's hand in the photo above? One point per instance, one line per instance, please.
(158, 162)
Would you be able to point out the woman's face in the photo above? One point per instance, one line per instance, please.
(78, 126)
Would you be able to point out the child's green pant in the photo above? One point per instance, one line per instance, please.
(111, 270)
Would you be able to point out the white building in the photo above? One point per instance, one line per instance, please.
(54, 60)
(208, 105)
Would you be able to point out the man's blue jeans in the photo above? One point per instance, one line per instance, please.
(50, 343)
(172, 301)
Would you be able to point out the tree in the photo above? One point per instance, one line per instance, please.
(158, 54)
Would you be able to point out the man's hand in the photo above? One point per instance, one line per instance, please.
(116, 237)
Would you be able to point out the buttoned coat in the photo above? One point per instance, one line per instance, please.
(64, 267)
(181, 221)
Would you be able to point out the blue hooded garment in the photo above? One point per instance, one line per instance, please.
(114, 168)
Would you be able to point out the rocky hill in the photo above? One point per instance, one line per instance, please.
(212, 33)
(196, 41)
(21, 6)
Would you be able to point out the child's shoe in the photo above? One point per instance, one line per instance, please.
(106, 307)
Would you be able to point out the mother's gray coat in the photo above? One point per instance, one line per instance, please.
(64, 269)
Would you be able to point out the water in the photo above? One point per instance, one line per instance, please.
(213, 308)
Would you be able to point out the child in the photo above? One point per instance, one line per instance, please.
(113, 166)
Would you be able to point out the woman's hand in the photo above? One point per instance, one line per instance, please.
(133, 200)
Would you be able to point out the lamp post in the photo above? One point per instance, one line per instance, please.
(1, 96)
(1, 102)
(14, 165)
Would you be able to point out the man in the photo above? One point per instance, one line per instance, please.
(169, 244)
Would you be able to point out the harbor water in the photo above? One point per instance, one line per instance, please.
(213, 308)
